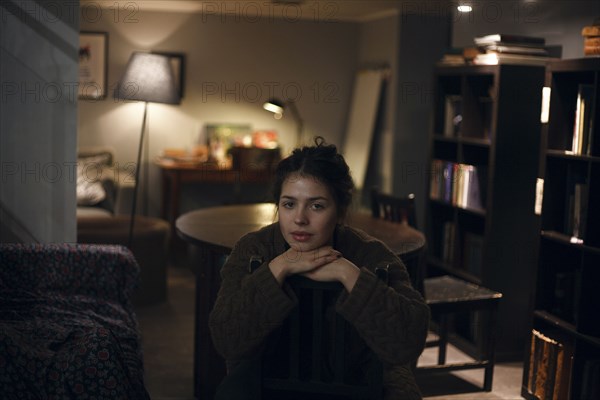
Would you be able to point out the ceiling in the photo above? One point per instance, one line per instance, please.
(318, 10)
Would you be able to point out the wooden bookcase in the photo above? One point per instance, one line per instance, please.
(567, 289)
(486, 238)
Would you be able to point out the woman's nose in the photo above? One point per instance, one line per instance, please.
(300, 217)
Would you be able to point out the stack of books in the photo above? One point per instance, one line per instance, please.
(459, 56)
(591, 39)
(453, 56)
(511, 49)
(461, 185)
(550, 365)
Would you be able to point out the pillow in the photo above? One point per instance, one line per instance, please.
(90, 190)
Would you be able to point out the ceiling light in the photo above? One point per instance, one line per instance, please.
(465, 8)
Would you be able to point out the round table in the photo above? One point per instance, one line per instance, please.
(212, 232)
(221, 227)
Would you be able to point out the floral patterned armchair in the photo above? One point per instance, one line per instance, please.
(67, 327)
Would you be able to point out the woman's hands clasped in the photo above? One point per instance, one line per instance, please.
(324, 264)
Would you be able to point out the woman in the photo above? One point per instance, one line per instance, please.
(313, 191)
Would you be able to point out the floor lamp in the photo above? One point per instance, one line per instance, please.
(278, 107)
(149, 78)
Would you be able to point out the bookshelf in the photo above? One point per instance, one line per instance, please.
(567, 296)
(481, 226)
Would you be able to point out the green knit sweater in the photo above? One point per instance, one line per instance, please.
(391, 318)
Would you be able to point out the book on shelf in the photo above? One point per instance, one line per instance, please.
(550, 363)
(461, 185)
(591, 39)
(580, 209)
(435, 179)
(471, 195)
(563, 300)
(458, 56)
(507, 58)
(583, 129)
(452, 56)
(452, 115)
(448, 178)
(515, 49)
(591, 30)
(467, 192)
(509, 38)
(448, 242)
(576, 211)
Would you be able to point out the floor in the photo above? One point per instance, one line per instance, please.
(167, 338)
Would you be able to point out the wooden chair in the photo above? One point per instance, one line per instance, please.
(401, 210)
(310, 362)
(445, 295)
(392, 208)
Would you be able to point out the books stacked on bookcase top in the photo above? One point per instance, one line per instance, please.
(452, 56)
(591, 39)
(462, 185)
(511, 49)
(459, 56)
(550, 364)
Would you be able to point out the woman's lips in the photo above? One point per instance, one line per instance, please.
(301, 236)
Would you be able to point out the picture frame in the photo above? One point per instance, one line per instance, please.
(93, 65)
(178, 64)
(221, 137)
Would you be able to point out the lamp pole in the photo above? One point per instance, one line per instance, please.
(137, 176)
(299, 122)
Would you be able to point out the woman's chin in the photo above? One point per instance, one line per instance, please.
(302, 246)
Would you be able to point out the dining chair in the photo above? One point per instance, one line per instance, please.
(311, 358)
(393, 208)
(445, 295)
(401, 210)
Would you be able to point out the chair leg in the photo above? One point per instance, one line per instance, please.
(443, 340)
(490, 351)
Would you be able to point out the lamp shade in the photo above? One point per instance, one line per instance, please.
(274, 105)
(148, 77)
(277, 107)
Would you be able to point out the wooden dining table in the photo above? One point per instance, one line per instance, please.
(212, 233)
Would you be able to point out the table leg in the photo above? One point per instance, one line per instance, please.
(165, 196)
(209, 367)
(175, 195)
(490, 350)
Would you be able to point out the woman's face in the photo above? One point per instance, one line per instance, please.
(307, 213)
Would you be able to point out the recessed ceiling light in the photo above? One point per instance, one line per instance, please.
(465, 8)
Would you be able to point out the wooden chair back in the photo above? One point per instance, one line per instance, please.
(315, 342)
(401, 210)
(393, 208)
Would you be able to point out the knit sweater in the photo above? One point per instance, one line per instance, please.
(391, 318)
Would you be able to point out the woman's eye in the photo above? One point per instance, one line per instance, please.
(318, 206)
(287, 204)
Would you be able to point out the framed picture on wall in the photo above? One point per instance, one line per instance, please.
(178, 65)
(93, 57)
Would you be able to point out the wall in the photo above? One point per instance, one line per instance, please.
(377, 47)
(423, 37)
(233, 65)
(38, 111)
